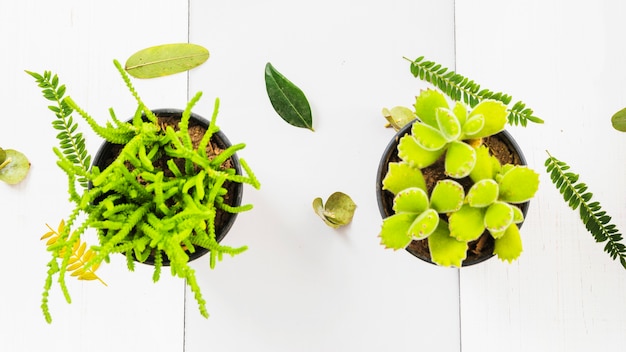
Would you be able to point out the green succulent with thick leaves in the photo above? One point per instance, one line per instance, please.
(490, 204)
(417, 215)
(441, 129)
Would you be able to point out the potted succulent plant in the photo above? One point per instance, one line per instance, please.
(453, 187)
(164, 188)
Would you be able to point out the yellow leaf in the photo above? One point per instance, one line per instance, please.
(81, 249)
(47, 234)
(74, 266)
(52, 241)
(78, 272)
(88, 276)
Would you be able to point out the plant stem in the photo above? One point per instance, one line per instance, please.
(5, 163)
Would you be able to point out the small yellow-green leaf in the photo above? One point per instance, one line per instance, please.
(467, 223)
(167, 59)
(402, 176)
(287, 99)
(394, 232)
(426, 105)
(509, 246)
(519, 184)
(460, 159)
(445, 250)
(498, 217)
(447, 196)
(411, 200)
(483, 193)
(424, 224)
(410, 151)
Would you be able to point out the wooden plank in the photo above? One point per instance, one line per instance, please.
(78, 40)
(302, 286)
(565, 60)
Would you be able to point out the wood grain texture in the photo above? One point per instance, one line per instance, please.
(78, 40)
(564, 60)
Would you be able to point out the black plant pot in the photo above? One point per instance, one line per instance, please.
(223, 220)
(419, 248)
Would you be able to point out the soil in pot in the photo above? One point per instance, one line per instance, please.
(218, 142)
(501, 145)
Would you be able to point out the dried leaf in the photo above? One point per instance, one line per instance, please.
(287, 99)
(337, 212)
(167, 59)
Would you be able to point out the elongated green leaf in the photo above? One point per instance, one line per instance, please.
(167, 59)
(287, 99)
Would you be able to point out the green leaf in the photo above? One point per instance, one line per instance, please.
(337, 212)
(486, 165)
(460, 159)
(509, 246)
(447, 196)
(495, 115)
(618, 120)
(426, 105)
(402, 176)
(411, 200)
(518, 185)
(467, 224)
(394, 233)
(449, 124)
(288, 100)
(499, 217)
(167, 59)
(13, 167)
(424, 224)
(427, 137)
(482, 193)
(445, 250)
(410, 151)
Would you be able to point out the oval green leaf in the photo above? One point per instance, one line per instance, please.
(288, 100)
(402, 176)
(411, 200)
(619, 120)
(14, 167)
(447, 196)
(167, 59)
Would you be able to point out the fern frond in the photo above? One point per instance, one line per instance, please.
(79, 254)
(458, 87)
(71, 142)
(597, 221)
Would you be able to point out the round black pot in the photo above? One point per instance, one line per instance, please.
(224, 220)
(419, 248)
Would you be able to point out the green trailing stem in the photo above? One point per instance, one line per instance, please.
(134, 207)
(596, 220)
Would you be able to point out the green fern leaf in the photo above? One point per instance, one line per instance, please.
(458, 88)
(596, 220)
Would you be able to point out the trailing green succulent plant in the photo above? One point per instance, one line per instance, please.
(448, 216)
(139, 207)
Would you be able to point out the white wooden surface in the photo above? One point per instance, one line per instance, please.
(303, 286)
